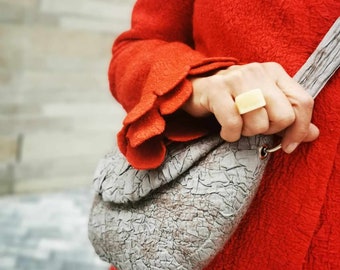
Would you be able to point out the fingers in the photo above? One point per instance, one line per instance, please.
(313, 133)
(279, 109)
(288, 107)
(302, 104)
(227, 115)
(278, 113)
(211, 96)
(255, 122)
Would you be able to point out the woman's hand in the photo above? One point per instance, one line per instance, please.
(288, 106)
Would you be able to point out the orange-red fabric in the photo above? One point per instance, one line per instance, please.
(294, 221)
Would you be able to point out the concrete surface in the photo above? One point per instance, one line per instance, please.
(54, 56)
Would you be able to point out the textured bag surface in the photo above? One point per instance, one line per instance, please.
(180, 215)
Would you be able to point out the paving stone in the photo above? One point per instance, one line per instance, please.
(76, 266)
(62, 241)
(113, 26)
(33, 123)
(21, 3)
(8, 13)
(7, 83)
(27, 262)
(5, 76)
(6, 178)
(9, 147)
(43, 84)
(16, 108)
(89, 8)
(15, 11)
(11, 50)
(52, 184)
(7, 263)
(55, 146)
(33, 47)
(54, 57)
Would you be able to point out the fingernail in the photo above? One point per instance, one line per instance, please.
(291, 147)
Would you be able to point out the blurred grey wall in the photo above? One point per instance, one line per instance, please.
(57, 117)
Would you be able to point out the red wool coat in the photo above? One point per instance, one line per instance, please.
(294, 221)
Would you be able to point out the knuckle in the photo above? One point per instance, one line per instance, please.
(234, 78)
(254, 130)
(231, 128)
(301, 134)
(275, 70)
(256, 68)
(229, 138)
(262, 129)
(230, 69)
(229, 135)
(284, 120)
(239, 77)
(273, 66)
(307, 101)
(233, 124)
(248, 132)
(213, 94)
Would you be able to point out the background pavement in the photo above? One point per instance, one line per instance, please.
(57, 119)
(47, 232)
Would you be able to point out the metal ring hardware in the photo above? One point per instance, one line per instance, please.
(264, 150)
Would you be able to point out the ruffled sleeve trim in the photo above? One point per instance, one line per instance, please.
(142, 138)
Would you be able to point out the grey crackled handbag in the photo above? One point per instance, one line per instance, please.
(180, 215)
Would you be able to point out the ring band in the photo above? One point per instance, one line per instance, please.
(250, 101)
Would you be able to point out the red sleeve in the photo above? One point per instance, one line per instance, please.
(148, 76)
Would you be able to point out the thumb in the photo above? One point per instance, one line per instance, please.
(313, 133)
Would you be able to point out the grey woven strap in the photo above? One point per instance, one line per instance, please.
(317, 70)
(322, 63)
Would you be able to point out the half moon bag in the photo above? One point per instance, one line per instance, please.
(180, 215)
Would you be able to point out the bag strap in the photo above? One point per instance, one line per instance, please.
(317, 70)
(322, 63)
